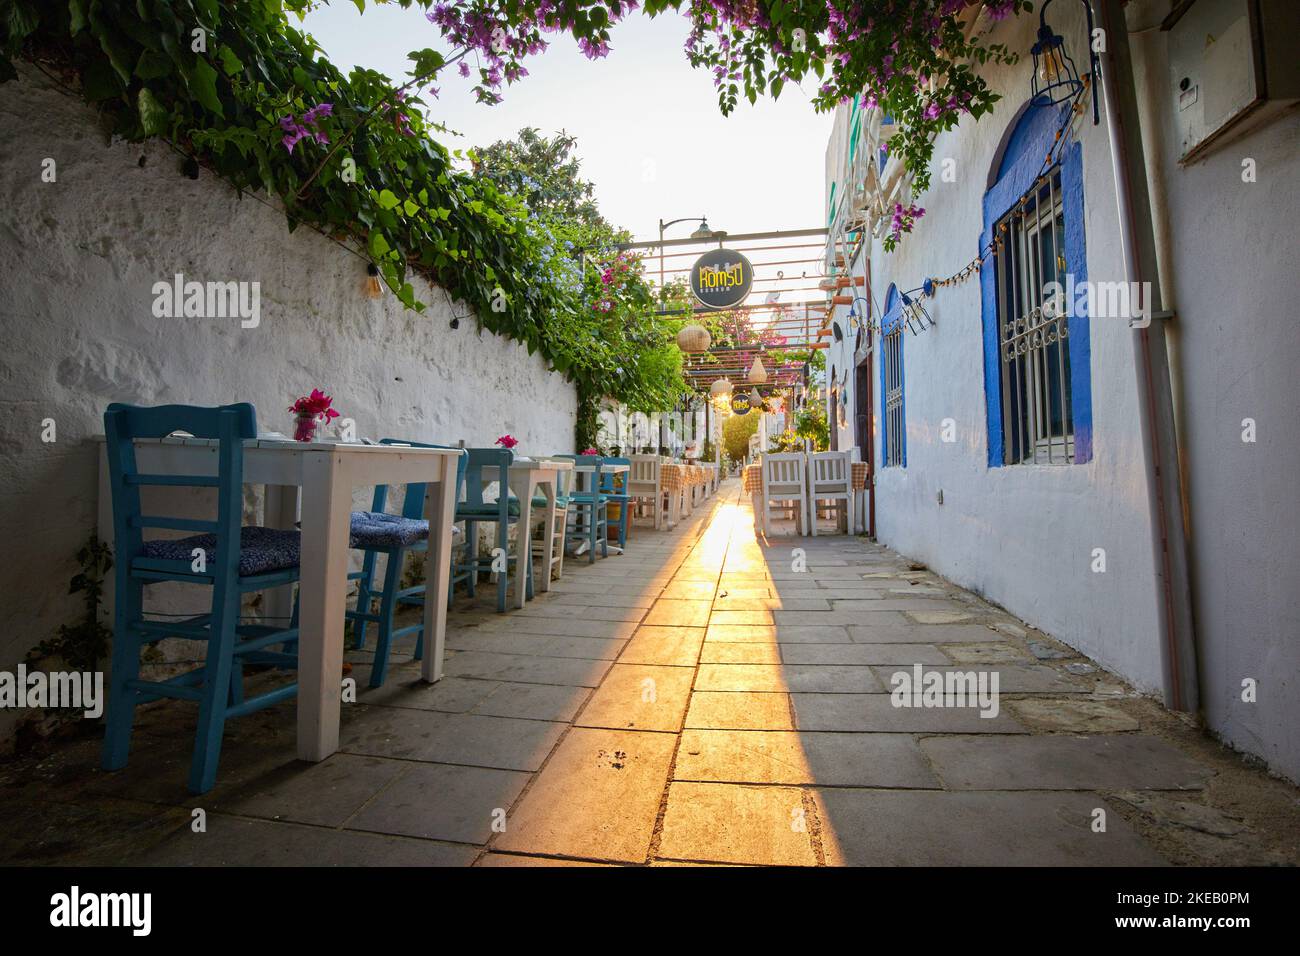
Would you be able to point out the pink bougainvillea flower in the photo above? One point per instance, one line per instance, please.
(507, 441)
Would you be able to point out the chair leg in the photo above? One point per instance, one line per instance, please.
(216, 687)
(125, 667)
(812, 523)
(387, 608)
(471, 543)
(592, 527)
(622, 525)
(503, 578)
(365, 585)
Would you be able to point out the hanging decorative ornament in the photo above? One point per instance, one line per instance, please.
(720, 388)
(755, 399)
(694, 338)
(757, 374)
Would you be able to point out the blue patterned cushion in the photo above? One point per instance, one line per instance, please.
(374, 529)
(260, 549)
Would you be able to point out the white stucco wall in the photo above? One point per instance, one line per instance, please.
(1023, 536)
(1231, 270)
(80, 257)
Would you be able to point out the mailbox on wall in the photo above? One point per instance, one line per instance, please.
(1233, 67)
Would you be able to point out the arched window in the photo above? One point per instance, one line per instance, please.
(893, 426)
(1037, 374)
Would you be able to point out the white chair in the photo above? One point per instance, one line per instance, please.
(644, 482)
(563, 487)
(830, 478)
(785, 478)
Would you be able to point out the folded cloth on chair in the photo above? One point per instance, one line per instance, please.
(260, 549)
(374, 529)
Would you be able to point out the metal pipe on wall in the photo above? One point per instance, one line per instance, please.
(1155, 397)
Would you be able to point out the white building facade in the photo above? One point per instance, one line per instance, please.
(1005, 423)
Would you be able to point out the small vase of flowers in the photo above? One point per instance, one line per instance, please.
(508, 442)
(310, 411)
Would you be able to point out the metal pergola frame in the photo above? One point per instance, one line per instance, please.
(802, 322)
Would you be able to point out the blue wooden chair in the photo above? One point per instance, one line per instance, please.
(618, 496)
(235, 560)
(486, 465)
(588, 507)
(395, 536)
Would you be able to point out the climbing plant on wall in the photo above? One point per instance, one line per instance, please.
(239, 89)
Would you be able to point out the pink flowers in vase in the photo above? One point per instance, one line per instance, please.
(311, 411)
(507, 442)
(591, 451)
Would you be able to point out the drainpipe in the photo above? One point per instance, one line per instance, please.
(1155, 395)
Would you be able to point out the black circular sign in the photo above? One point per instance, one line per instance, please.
(740, 404)
(721, 278)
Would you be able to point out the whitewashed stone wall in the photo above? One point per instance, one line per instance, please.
(1023, 536)
(78, 259)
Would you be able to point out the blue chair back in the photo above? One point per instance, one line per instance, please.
(486, 465)
(607, 479)
(228, 424)
(413, 502)
(580, 485)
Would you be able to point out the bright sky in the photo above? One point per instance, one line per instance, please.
(650, 135)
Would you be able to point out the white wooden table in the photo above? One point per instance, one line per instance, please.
(327, 473)
(526, 476)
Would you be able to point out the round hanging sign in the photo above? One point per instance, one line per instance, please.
(740, 403)
(721, 278)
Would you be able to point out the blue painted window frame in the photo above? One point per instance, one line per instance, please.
(891, 321)
(1030, 138)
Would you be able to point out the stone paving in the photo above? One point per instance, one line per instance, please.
(707, 698)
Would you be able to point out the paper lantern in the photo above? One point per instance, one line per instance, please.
(694, 338)
(720, 388)
(755, 399)
(757, 374)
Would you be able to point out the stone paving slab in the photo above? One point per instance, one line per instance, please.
(641, 599)
(723, 652)
(640, 697)
(1057, 762)
(724, 823)
(232, 842)
(771, 634)
(441, 802)
(526, 669)
(862, 654)
(471, 739)
(858, 618)
(598, 797)
(555, 702)
(932, 828)
(679, 613)
(538, 608)
(539, 645)
(324, 794)
(865, 713)
(739, 710)
(572, 626)
(802, 758)
(1012, 678)
(826, 678)
(654, 644)
(691, 590)
(916, 633)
